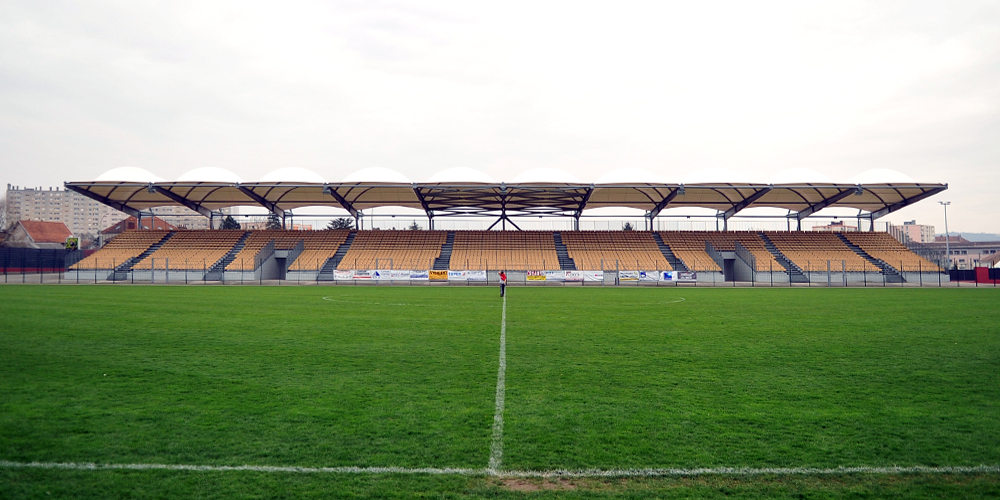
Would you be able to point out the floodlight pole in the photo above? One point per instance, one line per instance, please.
(947, 237)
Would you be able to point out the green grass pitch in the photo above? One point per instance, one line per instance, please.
(596, 378)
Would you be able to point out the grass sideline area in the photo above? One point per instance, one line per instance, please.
(602, 378)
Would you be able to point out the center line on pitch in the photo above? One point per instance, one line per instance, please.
(496, 445)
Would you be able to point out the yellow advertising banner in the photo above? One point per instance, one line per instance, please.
(536, 275)
(438, 275)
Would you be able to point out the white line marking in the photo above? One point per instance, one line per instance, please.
(496, 445)
(229, 468)
(592, 473)
(371, 303)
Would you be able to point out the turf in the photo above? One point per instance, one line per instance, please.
(596, 378)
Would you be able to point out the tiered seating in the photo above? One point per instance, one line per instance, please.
(628, 250)
(689, 247)
(394, 250)
(891, 251)
(123, 247)
(811, 251)
(725, 241)
(492, 250)
(318, 247)
(192, 250)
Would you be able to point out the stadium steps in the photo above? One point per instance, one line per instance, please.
(121, 272)
(326, 273)
(890, 273)
(441, 263)
(566, 262)
(215, 272)
(675, 263)
(795, 274)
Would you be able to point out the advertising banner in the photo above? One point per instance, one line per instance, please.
(458, 275)
(475, 275)
(438, 275)
(593, 276)
(382, 274)
(362, 275)
(418, 275)
(685, 276)
(343, 275)
(667, 275)
(555, 275)
(574, 276)
(628, 275)
(536, 276)
(399, 274)
(649, 276)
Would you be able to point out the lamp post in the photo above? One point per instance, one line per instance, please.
(947, 236)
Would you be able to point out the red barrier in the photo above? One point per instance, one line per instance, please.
(983, 275)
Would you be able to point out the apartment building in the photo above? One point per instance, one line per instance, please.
(82, 215)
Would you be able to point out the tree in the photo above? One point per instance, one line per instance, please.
(230, 223)
(414, 226)
(4, 214)
(341, 223)
(273, 221)
(627, 227)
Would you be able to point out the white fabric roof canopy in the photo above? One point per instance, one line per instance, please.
(443, 199)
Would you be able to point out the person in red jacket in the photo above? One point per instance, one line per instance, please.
(503, 282)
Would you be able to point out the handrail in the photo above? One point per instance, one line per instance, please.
(263, 254)
(294, 254)
(715, 255)
(747, 257)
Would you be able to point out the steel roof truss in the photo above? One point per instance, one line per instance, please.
(123, 207)
(737, 207)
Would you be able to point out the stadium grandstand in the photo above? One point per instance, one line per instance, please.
(785, 256)
(315, 255)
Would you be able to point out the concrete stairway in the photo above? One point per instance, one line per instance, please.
(675, 263)
(566, 262)
(890, 273)
(795, 274)
(442, 262)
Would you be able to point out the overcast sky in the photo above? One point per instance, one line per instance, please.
(838, 87)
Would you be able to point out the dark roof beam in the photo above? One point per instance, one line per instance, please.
(906, 202)
(736, 208)
(122, 207)
(665, 201)
(346, 205)
(271, 207)
(802, 214)
(182, 200)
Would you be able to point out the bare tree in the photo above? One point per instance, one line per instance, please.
(5, 214)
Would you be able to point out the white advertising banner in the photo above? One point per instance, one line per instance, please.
(398, 274)
(343, 275)
(362, 274)
(685, 276)
(575, 276)
(649, 276)
(382, 274)
(593, 276)
(681, 276)
(475, 275)
(458, 275)
(419, 275)
(555, 275)
(628, 275)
